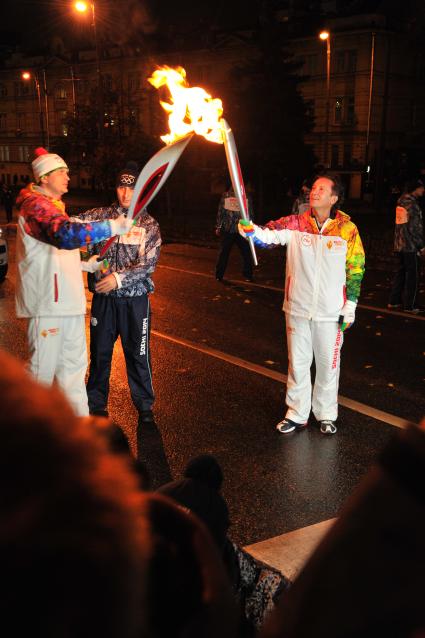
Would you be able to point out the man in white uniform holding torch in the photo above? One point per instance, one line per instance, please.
(324, 269)
(49, 284)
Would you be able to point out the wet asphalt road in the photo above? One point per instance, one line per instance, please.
(273, 484)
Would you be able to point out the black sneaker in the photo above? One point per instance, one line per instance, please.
(146, 416)
(286, 426)
(394, 306)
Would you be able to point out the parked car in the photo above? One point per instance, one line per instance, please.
(4, 260)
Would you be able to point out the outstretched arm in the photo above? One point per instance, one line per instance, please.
(263, 236)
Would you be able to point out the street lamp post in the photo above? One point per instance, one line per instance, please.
(81, 6)
(26, 76)
(325, 35)
(369, 110)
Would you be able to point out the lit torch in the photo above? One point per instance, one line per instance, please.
(193, 110)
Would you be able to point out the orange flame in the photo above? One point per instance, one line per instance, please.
(191, 109)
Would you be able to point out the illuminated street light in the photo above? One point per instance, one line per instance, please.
(325, 35)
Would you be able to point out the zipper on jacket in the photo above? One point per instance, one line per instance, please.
(56, 288)
(317, 267)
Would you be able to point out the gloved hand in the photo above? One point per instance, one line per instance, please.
(121, 225)
(245, 228)
(347, 316)
(94, 264)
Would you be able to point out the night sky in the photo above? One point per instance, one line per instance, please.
(27, 21)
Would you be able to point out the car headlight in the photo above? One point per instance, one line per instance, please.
(1, 232)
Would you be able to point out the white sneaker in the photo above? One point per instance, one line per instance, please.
(328, 427)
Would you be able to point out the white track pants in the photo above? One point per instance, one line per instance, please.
(58, 351)
(323, 340)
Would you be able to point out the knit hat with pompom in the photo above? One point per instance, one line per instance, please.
(46, 162)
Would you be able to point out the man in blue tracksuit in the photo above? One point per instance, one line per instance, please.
(120, 305)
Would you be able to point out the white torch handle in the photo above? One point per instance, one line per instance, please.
(236, 177)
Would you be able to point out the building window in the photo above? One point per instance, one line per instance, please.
(107, 82)
(23, 88)
(62, 123)
(4, 153)
(349, 115)
(310, 65)
(351, 61)
(3, 90)
(81, 86)
(133, 81)
(340, 62)
(348, 155)
(346, 61)
(310, 108)
(344, 112)
(334, 155)
(338, 110)
(20, 121)
(60, 92)
(23, 154)
(133, 118)
(3, 121)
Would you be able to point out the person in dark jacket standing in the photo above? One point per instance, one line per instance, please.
(228, 217)
(120, 305)
(7, 200)
(408, 245)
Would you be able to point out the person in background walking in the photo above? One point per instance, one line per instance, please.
(228, 217)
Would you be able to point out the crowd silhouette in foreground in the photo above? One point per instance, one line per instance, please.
(87, 550)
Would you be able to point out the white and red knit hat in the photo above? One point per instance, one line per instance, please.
(46, 162)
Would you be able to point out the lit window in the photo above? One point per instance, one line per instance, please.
(60, 92)
(338, 110)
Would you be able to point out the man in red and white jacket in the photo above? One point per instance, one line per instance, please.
(49, 284)
(324, 268)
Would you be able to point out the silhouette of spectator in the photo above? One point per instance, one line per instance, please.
(73, 543)
(7, 201)
(365, 578)
(188, 593)
(256, 586)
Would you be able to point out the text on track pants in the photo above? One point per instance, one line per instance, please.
(129, 318)
(59, 352)
(323, 340)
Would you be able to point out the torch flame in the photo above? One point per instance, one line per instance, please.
(191, 109)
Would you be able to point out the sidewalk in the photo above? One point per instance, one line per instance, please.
(289, 552)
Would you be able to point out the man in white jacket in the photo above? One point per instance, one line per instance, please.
(324, 268)
(49, 284)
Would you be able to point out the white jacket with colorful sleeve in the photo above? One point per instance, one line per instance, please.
(324, 267)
